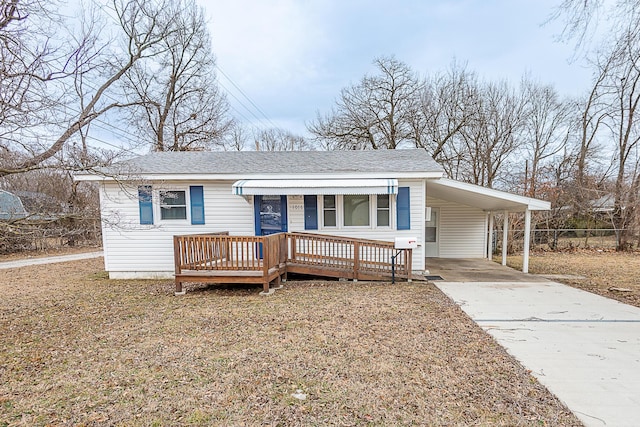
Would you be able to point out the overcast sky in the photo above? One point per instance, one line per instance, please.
(292, 57)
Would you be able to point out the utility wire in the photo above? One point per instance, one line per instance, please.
(248, 110)
(244, 95)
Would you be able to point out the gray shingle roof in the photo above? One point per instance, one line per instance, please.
(279, 162)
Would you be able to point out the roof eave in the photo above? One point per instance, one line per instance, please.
(236, 176)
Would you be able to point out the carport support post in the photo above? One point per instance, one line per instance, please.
(490, 237)
(505, 233)
(527, 238)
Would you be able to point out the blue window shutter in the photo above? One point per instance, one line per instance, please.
(145, 203)
(403, 209)
(196, 194)
(310, 212)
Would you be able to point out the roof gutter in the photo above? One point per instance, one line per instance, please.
(93, 176)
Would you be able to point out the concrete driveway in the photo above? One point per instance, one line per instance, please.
(583, 347)
(25, 262)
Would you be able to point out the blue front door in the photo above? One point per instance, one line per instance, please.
(270, 214)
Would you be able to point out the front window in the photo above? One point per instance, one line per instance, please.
(383, 210)
(173, 205)
(356, 210)
(329, 211)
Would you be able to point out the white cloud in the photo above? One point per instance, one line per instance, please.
(260, 42)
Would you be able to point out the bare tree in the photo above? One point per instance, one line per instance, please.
(180, 106)
(625, 128)
(492, 136)
(237, 139)
(615, 96)
(375, 113)
(546, 130)
(39, 74)
(447, 105)
(277, 139)
(583, 19)
(60, 82)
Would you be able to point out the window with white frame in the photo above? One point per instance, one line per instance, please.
(329, 210)
(173, 204)
(356, 210)
(431, 227)
(383, 210)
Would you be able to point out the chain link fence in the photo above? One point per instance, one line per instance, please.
(564, 239)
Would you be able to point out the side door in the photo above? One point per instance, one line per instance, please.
(432, 234)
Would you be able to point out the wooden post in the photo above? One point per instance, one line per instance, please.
(293, 247)
(408, 253)
(177, 268)
(356, 260)
(265, 263)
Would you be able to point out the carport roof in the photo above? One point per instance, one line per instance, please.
(487, 199)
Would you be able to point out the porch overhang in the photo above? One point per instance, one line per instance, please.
(285, 187)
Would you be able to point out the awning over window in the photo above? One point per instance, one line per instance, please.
(268, 187)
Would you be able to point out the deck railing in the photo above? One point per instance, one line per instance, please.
(220, 255)
(361, 256)
(219, 251)
(198, 251)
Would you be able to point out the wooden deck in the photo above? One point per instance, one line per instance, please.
(221, 258)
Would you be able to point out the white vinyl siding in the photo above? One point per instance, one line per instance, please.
(131, 249)
(146, 251)
(462, 230)
(295, 213)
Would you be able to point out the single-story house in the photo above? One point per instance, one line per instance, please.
(376, 194)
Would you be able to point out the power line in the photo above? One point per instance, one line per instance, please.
(113, 145)
(260, 121)
(257, 108)
(59, 107)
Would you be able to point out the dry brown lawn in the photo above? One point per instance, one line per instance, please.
(79, 349)
(609, 273)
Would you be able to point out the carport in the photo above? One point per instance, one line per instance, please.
(491, 202)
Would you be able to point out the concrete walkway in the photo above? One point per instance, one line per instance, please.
(25, 262)
(583, 347)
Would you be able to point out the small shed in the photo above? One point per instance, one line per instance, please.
(11, 207)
